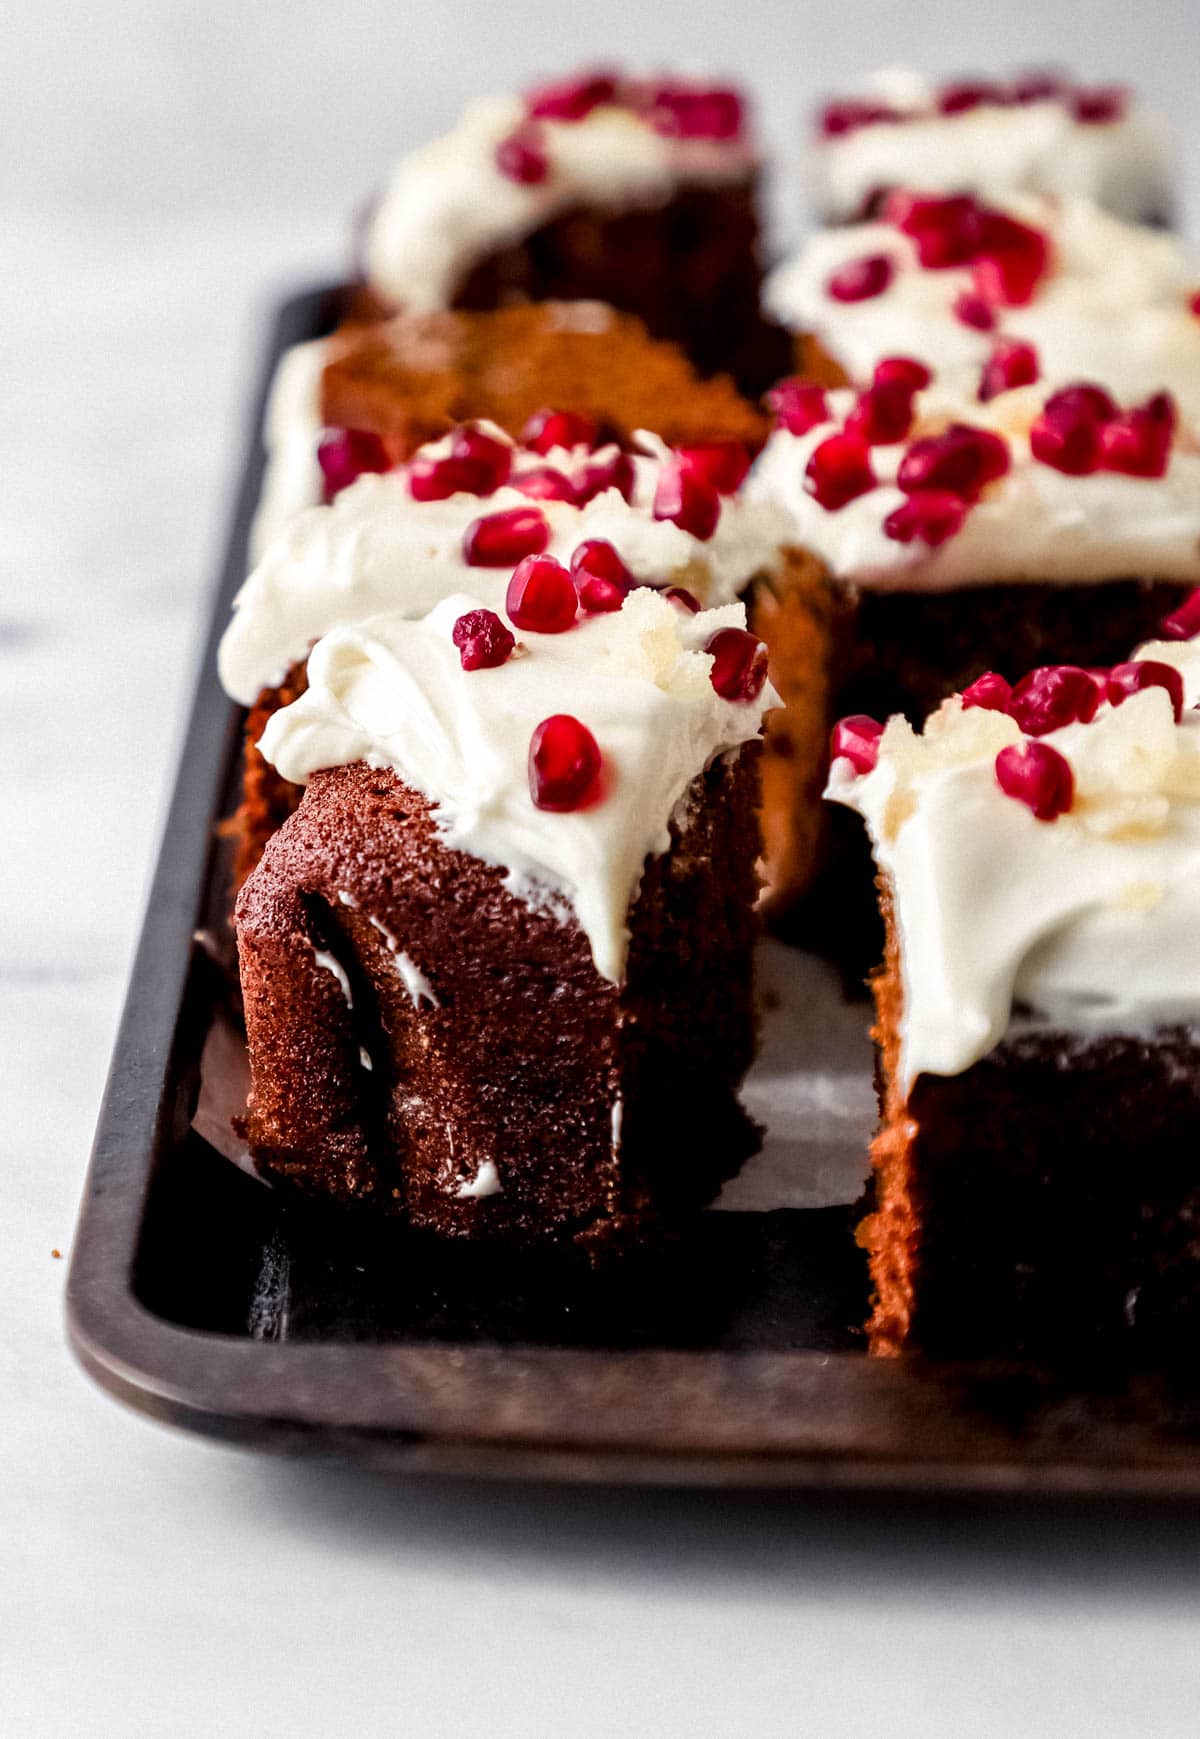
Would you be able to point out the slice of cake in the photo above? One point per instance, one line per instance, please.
(458, 517)
(1036, 133)
(370, 395)
(496, 967)
(957, 282)
(639, 193)
(936, 537)
(1038, 1015)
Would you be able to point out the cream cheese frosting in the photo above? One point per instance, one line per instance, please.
(448, 205)
(1114, 308)
(392, 692)
(1084, 925)
(374, 549)
(291, 434)
(1124, 164)
(1033, 524)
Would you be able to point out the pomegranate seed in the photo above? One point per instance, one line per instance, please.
(975, 311)
(858, 280)
(615, 473)
(724, 464)
(691, 112)
(1068, 442)
(570, 99)
(1105, 103)
(798, 405)
(989, 691)
(685, 599)
(547, 429)
(1038, 87)
(500, 540)
(739, 664)
(904, 371)
(933, 515)
(545, 483)
(838, 470)
(957, 99)
(520, 158)
(1010, 260)
(1143, 673)
(438, 479)
(856, 739)
(1139, 442)
(962, 459)
(1083, 399)
(945, 232)
(1052, 696)
(348, 453)
(882, 414)
(839, 118)
(541, 596)
(1012, 363)
(1183, 623)
(564, 763)
(482, 639)
(686, 499)
(601, 577)
(1194, 304)
(1037, 776)
(469, 442)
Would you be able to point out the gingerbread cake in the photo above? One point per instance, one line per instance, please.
(1038, 1014)
(636, 192)
(497, 966)
(1038, 132)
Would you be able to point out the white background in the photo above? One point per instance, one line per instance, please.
(164, 170)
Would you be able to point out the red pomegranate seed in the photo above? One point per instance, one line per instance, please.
(1139, 442)
(956, 99)
(1194, 304)
(686, 499)
(963, 460)
(945, 232)
(686, 600)
(1010, 260)
(838, 470)
(482, 639)
(1038, 87)
(1037, 776)
(615, 473)
(724, 464)
(601, 577)
(1105, 103)
(1143, 673)
(1052, 696)
(798, 405)
(437, 479)
(739, 664)
(346, 454)
(1012, 363)
(693, 112)
(1183, 623)
(471, 443)
(564, 763)
(541, 596)
(545, 483)
(859, 280)
(933, 515)
(975, 311)
(500, 540)
(1084, 400)
(1068, 442)
(839, 118)
(547, 429)
(856, 739)
(906, 371)
(990, 692)
(521, 158)
(882, 414)
(570, 99)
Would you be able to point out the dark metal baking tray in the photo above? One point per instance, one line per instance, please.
(208, 1302)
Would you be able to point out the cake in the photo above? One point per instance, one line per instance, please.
(955, 281)
(458, 516)
(371, 394)
(496, 967)
(1038, 1013)
(1036, 133)
(638, 193)
(936, 537)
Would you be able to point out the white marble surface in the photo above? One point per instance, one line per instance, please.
(163, 169)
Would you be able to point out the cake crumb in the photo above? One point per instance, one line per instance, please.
(57, 1255)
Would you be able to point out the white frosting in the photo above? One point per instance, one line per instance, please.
(393, 693)
(291, 433)
(448, 205)
(1091, 922)
(1114, 308)
(1124, 164)
(1035, 523)
(486, 1182)
(331, 964)
(375, 548)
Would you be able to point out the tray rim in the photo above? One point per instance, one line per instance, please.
(787, 1420)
